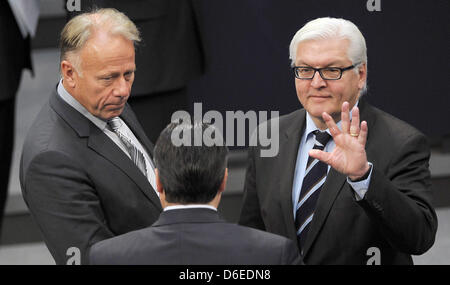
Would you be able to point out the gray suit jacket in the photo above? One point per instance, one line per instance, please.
(79, 186)
(195, 236)
(395, 215)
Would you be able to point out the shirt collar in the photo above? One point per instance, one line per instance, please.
(69, 99)
(168, 208)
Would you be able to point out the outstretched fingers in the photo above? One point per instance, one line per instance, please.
(362, 138)
(345, 117)
(354, 127)
(334, 129)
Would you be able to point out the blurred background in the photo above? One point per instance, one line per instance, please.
(241, 63)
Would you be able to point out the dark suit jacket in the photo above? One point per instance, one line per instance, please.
(195, 236)
(79, 185)
(171, 51)
(14, 52)
(395, 215)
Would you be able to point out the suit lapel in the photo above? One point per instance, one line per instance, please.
(330, 190)
(103, 145)
(366, 114)
(289, 144)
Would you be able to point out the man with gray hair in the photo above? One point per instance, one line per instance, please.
(352, 192)
(86, 171)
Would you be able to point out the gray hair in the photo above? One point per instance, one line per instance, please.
(332, 28)
(79, 29)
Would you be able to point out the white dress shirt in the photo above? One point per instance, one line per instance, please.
(190, 206)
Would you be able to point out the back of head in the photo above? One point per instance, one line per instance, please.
(189, 174)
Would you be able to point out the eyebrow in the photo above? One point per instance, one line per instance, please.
(328, 65)
(115, 74)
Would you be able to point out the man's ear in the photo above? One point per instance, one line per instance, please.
(69, 73)
(160, 189)
(159, 186)
(362, 73)
(224, 181)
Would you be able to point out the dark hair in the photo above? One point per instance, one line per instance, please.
(189, 173)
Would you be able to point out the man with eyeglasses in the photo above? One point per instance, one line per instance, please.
(350, 183)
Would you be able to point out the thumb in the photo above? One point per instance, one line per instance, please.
(320, 155)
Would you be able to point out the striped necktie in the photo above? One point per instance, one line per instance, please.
(315, 175)
(135, 154)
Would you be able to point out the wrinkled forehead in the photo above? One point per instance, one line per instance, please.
(103, 49)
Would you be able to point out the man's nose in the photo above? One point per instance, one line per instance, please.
(317, 81)
(121, 89)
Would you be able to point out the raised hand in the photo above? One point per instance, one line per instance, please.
(349, 156)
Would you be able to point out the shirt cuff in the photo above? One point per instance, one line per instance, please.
(361, 187)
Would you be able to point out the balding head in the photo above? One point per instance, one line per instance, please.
(87, 25)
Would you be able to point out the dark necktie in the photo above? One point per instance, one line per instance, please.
(135, 154)
(315, 175)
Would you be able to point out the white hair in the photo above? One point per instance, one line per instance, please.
(79, 29)
(332, 28)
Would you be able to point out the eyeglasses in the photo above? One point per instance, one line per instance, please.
(327, 73)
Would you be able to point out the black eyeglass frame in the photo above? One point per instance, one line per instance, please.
(341, 69)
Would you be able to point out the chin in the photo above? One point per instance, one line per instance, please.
(316, 111)
(113, 113)
(108, 116)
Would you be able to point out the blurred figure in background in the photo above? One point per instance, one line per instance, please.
(18, 22)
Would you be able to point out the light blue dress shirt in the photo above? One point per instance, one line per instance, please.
(306, 144)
